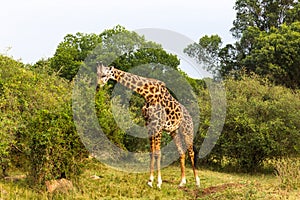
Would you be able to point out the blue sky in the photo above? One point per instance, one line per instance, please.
(32, 29)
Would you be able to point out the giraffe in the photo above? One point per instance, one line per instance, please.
(162, 112)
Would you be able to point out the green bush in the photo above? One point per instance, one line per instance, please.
(106, 118)
(54, 149)
(39, 134)
(262, 122)
(9, 111)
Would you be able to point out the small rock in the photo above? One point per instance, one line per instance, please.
(95, 177)
(60, 185)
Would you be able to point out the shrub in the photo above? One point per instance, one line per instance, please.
(54, 149)
(9, 112)
(262, 122)
(36, 110)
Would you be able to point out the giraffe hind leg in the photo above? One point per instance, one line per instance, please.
(192, 156)
(178, 143)
(188, 137)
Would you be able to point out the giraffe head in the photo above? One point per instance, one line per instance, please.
(104, 74)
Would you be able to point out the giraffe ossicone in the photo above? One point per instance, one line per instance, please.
(162, 112)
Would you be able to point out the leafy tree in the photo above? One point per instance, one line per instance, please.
(257, 18)
(206, 51)
(210, 53)
(117, 46)
(263, 14)
(268, 40)
(275, 54)
(71, 53)
(146, 56)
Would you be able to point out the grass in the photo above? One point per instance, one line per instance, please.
(120, 185)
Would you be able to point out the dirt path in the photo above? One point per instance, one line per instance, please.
(197, 193)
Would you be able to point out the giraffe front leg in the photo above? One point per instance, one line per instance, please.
(155, 131)
(159, 179)
(152, 150)
(158, 159)
(151, 179)
(182, 166)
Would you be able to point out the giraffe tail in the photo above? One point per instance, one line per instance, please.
(196, 155)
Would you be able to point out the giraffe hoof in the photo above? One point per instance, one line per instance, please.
(159, 182)
(149, 184)
(198, 182)
(159, 186)
(182, 184)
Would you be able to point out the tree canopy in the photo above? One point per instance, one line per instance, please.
(117, 46)
(268, 41)
(276, 54)
(263, 14)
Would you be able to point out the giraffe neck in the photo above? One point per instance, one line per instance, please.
(149, 88)
(126, 79)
